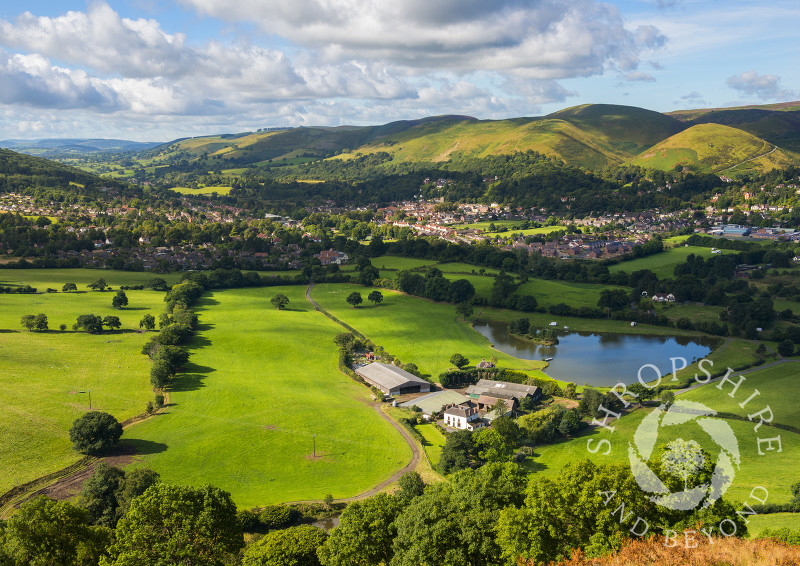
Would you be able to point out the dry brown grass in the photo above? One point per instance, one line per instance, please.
(721, 552)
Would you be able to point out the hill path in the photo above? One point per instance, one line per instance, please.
(774, 147)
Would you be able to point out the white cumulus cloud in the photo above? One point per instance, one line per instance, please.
(765, 87)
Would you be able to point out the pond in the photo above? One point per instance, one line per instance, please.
(602, 359)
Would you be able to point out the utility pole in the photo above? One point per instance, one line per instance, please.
(314, 440)
(89, 391)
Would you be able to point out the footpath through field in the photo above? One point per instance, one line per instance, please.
(377, 406)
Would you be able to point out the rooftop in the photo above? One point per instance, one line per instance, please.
(433, 402)
(388, 376)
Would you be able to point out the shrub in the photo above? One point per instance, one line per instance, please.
(279, 517)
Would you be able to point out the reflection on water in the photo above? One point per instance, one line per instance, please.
(600, 358)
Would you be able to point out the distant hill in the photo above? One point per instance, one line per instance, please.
(22, 171)
(715, 148)
(625, 128)
(56, 146)
(590, 136)
(779, 126)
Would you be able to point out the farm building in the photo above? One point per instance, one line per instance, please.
(392, 380)
(463, 417)
(502, 389)
(435, 402)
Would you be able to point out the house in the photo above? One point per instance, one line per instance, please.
(392, 380)
(463, 417)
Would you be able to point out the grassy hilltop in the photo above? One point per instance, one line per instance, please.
(590, 136)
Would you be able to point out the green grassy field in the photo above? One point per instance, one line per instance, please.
(674, 311)
(773, 521)
(42, 372)
(775, 471)
(773, 383)
(433, 441)
(413, 329)
(663, 264)
(55, 278)
(510, 224)
(549, 292)
(202, 190)
(399, 263)
(465, 268)
(260, 384)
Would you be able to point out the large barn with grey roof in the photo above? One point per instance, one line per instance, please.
(392, 380)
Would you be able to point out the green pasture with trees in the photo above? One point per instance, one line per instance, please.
(260, 383)
(663, 263)
(44, 373)
(414, 329)
(775, 471)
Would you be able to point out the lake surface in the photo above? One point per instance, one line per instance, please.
(601, 358)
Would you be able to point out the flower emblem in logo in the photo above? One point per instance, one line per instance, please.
(644, 442)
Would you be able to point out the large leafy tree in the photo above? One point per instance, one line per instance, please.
(171, 524)
(567, 511)
(95, 432)
(44, 532)
(279, 301)
(458, 451)
(365, 533)
(354, 299)
(452, 524)
(120, 300)
(295, 546)
(99, 494)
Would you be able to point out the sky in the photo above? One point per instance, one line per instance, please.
(157, 70)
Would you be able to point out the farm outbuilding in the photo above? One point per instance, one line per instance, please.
(392, 380)
(435, 402)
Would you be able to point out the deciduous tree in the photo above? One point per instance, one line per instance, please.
(365, 533)
(354, 299)
(295, 546)
(279, 301)
(95, 432)
(120, 300)
(172, 524)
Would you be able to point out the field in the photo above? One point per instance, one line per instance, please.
(55, 278)
(773, 521)
(202, 190)
(775, 471)
(433, 441)
(663, 264)
(456, 267)
(549, 292)
(261, 384)
(42, 372)
(510, 225)
(773, 383)
(400, 263)
(413, 329)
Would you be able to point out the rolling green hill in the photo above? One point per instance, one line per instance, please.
(715, 148)
(559, 139)
(625, 128)
(778, 124)
(590, 136)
